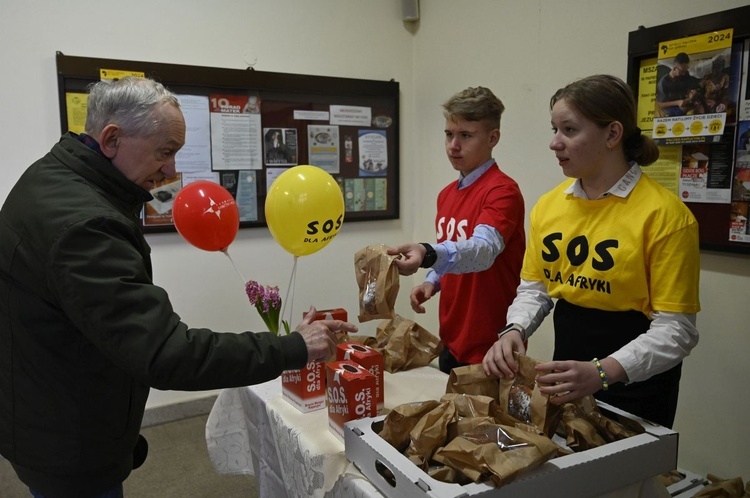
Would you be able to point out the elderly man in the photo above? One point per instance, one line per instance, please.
(84, 331)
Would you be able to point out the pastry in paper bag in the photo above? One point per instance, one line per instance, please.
(521, 398)
(473, 410)
(378, 282)
(608, 430)
(579, 433)
(405, 344)
(724, 488)
(496, 452)
(430, 433)
(402, 419)
(472, 405)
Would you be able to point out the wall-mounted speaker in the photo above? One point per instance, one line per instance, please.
(410, 10)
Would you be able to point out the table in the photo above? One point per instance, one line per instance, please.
(254, 431)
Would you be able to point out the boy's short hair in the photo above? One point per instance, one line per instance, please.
(475, 104)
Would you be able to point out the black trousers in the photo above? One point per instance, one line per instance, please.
(583, 334)
(447, 362)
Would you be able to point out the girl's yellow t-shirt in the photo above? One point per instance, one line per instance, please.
(635, 253)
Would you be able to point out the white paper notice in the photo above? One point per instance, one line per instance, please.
(311, 115)
(195, 156)
(373, 153)
(349, 115)
(271, 175)
(323, 147)
(247, 196)
(235, 134)
(209, 176)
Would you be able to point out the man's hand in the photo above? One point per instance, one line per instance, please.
(420, 294)
(412, 256)
(321, 336)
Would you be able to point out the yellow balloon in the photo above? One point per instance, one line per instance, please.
(304, 209)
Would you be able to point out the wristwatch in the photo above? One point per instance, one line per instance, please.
(430, 256)
(512, 326)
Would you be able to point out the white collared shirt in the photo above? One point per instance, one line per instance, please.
(669, 339)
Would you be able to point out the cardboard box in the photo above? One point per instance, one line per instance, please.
(305, 389)
(332, 314)
(588, 473)
(369, 358)
(351, 394)
(691, 484)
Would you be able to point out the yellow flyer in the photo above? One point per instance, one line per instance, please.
(116, 74)
(692, 88)
(647, 94)
(666, 170)
(76, 104)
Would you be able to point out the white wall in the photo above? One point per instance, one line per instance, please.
(331, 38)
(522, 50)
(525, 51)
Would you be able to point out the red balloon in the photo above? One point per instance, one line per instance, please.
(206, 215)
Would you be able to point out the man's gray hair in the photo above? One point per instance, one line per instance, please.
(128, 103)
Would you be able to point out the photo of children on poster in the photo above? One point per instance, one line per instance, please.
(695, 97)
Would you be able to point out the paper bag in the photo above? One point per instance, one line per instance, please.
(378, 282)
(477, 405)
(724, 488)
(579, 433)
(405, 344)
(521, 399)
(608, 428)
(471, 379)
(401, 421)
(497, 452)
(431, 432)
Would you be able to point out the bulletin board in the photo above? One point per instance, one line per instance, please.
(245, 127)
(705, 140)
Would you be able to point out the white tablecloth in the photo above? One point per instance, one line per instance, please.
(253, 430)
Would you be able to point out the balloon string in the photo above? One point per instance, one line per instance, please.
(290, 288)
(226, 252)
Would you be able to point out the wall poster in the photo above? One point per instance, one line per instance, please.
(244, 128)
(690, 79)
